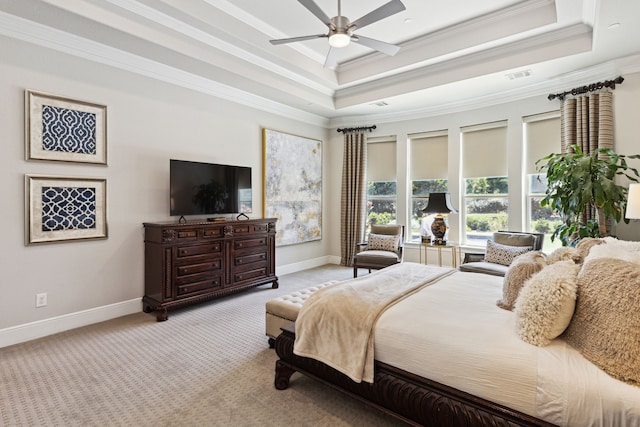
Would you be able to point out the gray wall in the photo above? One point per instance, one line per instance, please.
(149, 122)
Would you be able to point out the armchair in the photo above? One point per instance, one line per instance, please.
(384, 248)
(516, 242)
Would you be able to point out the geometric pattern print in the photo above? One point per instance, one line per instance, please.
(68, 131)
(503, 254)
(68, 208)
(383, 242)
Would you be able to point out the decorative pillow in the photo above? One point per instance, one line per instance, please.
(606, 324)
(586, 243)
(521, 269)
(619, 249)
(546, 303)
(383, 242)
(503, 254)
(565, 253)
(627, 244)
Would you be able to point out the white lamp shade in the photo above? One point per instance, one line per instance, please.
(633, 202)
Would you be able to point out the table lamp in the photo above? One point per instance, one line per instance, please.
(633, 202)
(439, 204)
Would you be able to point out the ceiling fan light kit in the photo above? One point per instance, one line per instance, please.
(340, 29)
(339, 40)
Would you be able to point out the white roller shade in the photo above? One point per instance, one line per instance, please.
(484, 150)
(542, 137)
(381, 161)
(429, 157)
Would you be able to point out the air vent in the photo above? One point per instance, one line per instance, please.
(519, 74)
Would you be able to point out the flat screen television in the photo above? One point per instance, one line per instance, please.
(208, 189)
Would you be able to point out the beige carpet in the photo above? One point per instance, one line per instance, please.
(208, 365)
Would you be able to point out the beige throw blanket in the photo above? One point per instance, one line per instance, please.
(335, 325)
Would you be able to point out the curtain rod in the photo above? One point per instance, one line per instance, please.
(588, 88)
(346, 130)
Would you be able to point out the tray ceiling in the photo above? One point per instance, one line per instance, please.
(453, 54)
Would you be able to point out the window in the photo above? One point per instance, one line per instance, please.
(381, 181)
(486, 186)
(428, 174)
(541, 138)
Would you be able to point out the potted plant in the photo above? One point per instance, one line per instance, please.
(576, 181)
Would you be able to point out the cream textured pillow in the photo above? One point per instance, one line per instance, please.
(565, 253)
(546, 303)
(503, 254)
(383, 242)
(586, 243)
(605, 327)
(619, 249)
(521, 269)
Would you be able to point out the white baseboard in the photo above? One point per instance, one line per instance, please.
(42, 328)
(54, 325)
(281, 270)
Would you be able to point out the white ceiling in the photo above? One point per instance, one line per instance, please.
(454, 54)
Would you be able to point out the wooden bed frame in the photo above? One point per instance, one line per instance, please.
(413, 399)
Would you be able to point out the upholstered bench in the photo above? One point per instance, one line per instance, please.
(283, 310)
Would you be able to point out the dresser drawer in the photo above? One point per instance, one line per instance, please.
(212, 233)
(192, 268)
(250, 258)
(198, 286)
(258, 242)
(188, 251)
(196, 277)
(240, 276)
(248, 229)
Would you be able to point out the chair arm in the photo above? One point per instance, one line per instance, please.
(361, 246)
(471, 257)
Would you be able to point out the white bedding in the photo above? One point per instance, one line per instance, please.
(475, 349)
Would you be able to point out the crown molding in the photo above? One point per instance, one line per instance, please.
(604, 71)
(448, 41)
(41, 35)
(208, 38)
(565, 41)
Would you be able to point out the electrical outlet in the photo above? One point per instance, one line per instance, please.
(41, 300)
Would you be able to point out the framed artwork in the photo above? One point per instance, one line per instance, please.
(65, 208)
(63, 129)
(292, 167)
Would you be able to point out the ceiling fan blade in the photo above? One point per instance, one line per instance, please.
(331, 60)
(387, 48)
(319, 13)
(297, 39)
(384, 11)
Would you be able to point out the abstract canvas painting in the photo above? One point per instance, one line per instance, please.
(292, 168)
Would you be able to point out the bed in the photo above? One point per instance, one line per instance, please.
(447, 355)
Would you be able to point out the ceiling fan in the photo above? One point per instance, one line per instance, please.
(341, 29)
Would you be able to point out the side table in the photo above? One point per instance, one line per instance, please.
(455, 256)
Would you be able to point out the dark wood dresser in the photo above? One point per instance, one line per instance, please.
(193, 262)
